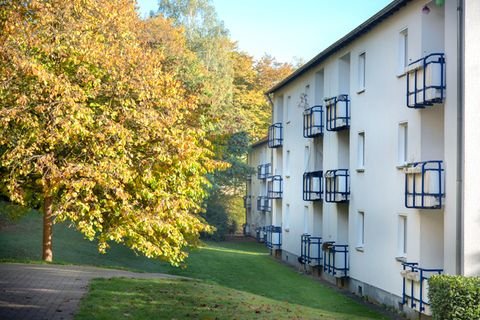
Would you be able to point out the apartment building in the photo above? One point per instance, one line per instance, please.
(369, 173)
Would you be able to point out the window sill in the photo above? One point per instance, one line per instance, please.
(360, 91)
(360, 169)
(359, 248)
(401, 74)
(402, 166)
(401, 259)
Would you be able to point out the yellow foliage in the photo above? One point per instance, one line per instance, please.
(98, 112)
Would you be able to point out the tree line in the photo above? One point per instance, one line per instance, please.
(132, 130)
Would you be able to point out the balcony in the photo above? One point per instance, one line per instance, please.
(264, 204)
(311, 250)
(275, 187)
(260, 234)
(424, 185)
(313, 186)
(337, 186)
(275, 135)
(415, 286)
(426, 82)
(264, 171)
(273, 237)
(247, 202)
(338, 112)
(335, 259)
(313, 122)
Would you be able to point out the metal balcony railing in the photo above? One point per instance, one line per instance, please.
(338, 112)
(424, 185)
(273, 237)
(264, 171)
(415, 286)
(313, 122)
(313, 186)
(264, 204)
(275, 135)
(310, 250)
(337, 185)
(247, 202)
(426, 81)
(335, 259)
(275, 187)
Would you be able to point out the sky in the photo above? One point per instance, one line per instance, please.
(289, 30)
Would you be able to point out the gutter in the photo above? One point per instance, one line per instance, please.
(459, 248)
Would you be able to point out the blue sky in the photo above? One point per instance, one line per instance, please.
(287, 29)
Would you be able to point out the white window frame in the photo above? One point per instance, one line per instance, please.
(361, 151)
(287, 217)
(402, 143)
(403, 59)
(360, 230)
(288, 112)
(402, 237)
(287, 164)
(362, 64)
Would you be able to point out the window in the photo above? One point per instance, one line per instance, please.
(305, 219)
(287, 217)
(361, 72)
(361, 151)
(361, 229)
(288, 111)
(287, 164)
(402, 144)
(306, 159)
(403, 51)
(402, 236)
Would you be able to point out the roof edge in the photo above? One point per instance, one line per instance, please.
(345, 40)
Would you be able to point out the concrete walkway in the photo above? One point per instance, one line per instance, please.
(29, 291)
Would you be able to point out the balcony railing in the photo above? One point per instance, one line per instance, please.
(264, 204)
(260, 234)
(335, 259)
(247, 202)
(415, 286)
(264, 170)
(313, 186)
(337, 186)
(338, 112)
(426, 81)
(310, 250)
(275, 187)
(275, 135)
(313, 122)
(424, 185)
(274, 237)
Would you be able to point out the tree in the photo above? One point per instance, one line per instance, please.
(97, 126)
(208, 38)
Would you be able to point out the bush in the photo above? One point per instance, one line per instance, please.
(454, 297)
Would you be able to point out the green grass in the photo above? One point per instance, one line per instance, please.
(183, 299)
(240, 277)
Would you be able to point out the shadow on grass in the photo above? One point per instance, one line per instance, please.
(243, 266)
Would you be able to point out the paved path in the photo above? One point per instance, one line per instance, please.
(29, 291)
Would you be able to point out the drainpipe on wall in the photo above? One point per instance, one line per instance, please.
(460, 137)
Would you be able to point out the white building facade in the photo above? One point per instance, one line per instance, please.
(373, 179)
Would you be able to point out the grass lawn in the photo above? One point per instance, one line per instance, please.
(241, 279)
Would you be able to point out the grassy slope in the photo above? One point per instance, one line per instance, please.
(244, 267)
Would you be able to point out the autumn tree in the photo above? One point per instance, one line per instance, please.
(97, 126)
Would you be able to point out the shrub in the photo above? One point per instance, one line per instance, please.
(454, 297)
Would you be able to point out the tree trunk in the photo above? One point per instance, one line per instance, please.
(47, 230)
